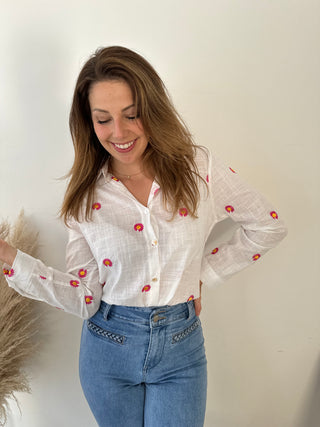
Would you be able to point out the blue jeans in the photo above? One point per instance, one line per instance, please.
(144, 366)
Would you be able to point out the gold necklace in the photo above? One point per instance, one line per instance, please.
(114, 172)
(124, 175)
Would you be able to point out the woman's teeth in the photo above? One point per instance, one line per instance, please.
(124, 146)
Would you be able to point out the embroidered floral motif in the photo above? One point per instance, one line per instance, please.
(43, 278)
(274, 214)
(114, 178)
(96, 206)
(82, 273)
(191, 297)
(146, 288)
(107, 262)
(88, 299)
(74, 283)
(207, 178)
(138, 227)
(214, 251)
(183, 211)
(102, 284)
(229, 208)
(232, 170)
(156, 191)
(256, 257)
(5, 271)
(11, 272)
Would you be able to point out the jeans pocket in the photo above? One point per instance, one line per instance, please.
(103, 333)
(179, 336)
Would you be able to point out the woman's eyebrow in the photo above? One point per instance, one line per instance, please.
(105, 111)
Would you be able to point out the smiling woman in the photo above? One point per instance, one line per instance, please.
(140, 205)
(117, 128)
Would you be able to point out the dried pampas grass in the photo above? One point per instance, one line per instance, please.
(17, 321)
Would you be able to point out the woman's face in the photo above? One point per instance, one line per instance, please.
(114, 117)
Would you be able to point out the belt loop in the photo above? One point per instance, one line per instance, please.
(190, 309)
(106, 311)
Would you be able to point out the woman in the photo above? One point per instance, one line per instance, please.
(140, 206)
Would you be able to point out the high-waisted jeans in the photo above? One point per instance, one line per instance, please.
(144, 366)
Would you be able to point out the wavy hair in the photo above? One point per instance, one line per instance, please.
(170, 153)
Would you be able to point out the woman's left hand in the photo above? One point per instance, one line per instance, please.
(197, 302)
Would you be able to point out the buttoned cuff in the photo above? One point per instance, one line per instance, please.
(20, 271)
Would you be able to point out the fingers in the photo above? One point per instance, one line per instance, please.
(197, 306)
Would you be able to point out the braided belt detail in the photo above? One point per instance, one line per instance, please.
(181, 335)
(102, 332)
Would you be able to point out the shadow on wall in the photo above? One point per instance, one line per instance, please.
(310, 413)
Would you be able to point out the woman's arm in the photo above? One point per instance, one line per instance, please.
(78, 291)
(260, 225)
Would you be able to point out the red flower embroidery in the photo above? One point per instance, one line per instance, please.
(114, 178)
(183, 212)
(138, 227)
(229, 208)
(207, 178)
(274, 214)
(146, 288)
(214, 251)
(7, 272)
(82, 273)
(74, 283)
(107, 262)
(43, 278)
(102, 284)
(88, 299)
(96, 206)
(191, 297)
(156, 191)
(256, 257)
(232, 170)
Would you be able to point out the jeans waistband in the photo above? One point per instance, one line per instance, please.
(144, 315)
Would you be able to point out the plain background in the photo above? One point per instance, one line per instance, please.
(245, 77)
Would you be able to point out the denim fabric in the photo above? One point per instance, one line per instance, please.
(144, 366)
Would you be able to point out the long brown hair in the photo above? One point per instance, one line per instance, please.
(170, 153)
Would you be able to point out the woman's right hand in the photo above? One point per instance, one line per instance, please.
(7, 252)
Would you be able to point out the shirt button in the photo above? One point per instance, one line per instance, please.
(154, 242)
(154, 279)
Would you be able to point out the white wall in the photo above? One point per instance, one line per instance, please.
(245, 76)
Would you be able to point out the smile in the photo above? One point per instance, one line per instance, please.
(124, 147)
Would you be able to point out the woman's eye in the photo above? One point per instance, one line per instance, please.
(102, 122)
(131, 117)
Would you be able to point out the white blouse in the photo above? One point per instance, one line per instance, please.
(134, 255)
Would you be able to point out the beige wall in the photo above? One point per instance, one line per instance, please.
(245, 76)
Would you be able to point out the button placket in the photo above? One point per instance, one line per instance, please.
(150, 232)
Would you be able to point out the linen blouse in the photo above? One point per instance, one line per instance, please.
(136, 255)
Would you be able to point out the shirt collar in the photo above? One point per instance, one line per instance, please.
(104, 176)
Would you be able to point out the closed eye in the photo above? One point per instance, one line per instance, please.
(101, 122)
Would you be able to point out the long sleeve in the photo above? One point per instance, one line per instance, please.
(260, 227)
(78, 291)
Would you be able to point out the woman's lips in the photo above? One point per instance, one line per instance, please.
(128, 146)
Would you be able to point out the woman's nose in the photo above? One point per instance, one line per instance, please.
(118, 129)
